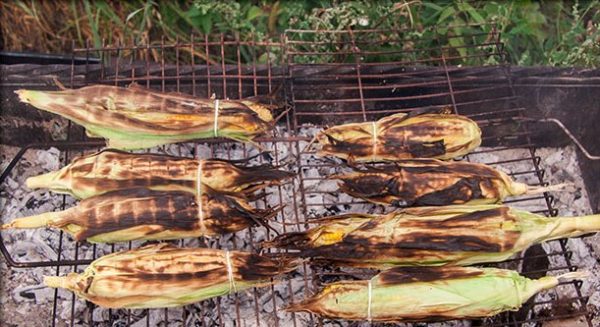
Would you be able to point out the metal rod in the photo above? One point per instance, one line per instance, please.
(586, 153)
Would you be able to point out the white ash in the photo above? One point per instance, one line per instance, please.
(562, 167)
(27, 293)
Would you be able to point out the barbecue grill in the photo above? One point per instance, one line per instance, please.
(325, 77)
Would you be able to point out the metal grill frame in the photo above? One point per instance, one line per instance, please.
(252, 78)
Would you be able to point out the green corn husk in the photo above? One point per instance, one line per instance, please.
(429, 294)
(161, 275)
(458, 235)
(135, 118)
(401, 136)
(431, 182)
(111, 170)
(142, 214)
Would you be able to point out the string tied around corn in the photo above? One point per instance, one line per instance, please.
(374, 125)
(216, 123)
(230, 271)
(369, 298)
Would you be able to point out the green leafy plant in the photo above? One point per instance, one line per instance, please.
(559, 33)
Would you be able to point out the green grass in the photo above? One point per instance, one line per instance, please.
(558, 33)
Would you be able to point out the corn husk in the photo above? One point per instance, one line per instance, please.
(458, 235)
(429, 294)
(142, 214)
(161, 275)
(135, 117)
(111, 170)
(401, 136)
(431, 182)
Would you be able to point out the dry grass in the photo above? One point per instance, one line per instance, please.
(53, 26)
(27, 28)
(46, 26)
(57, 26)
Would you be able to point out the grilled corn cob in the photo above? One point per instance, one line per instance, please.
(165, 276)
(431, 236)
(134, 117)
(405, 294)
(144, 214)
(111, 170)
(402, 136)
(428, 182)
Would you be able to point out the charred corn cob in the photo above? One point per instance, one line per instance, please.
(429, 182)
(402, 136)
(429, 294)
(111, 170)
(164, 276)
(135, 117)
(431, 236)
(142, 214)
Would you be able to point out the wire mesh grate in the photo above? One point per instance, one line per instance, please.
(324, 78)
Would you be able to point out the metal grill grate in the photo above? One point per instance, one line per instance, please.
(326, 78)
